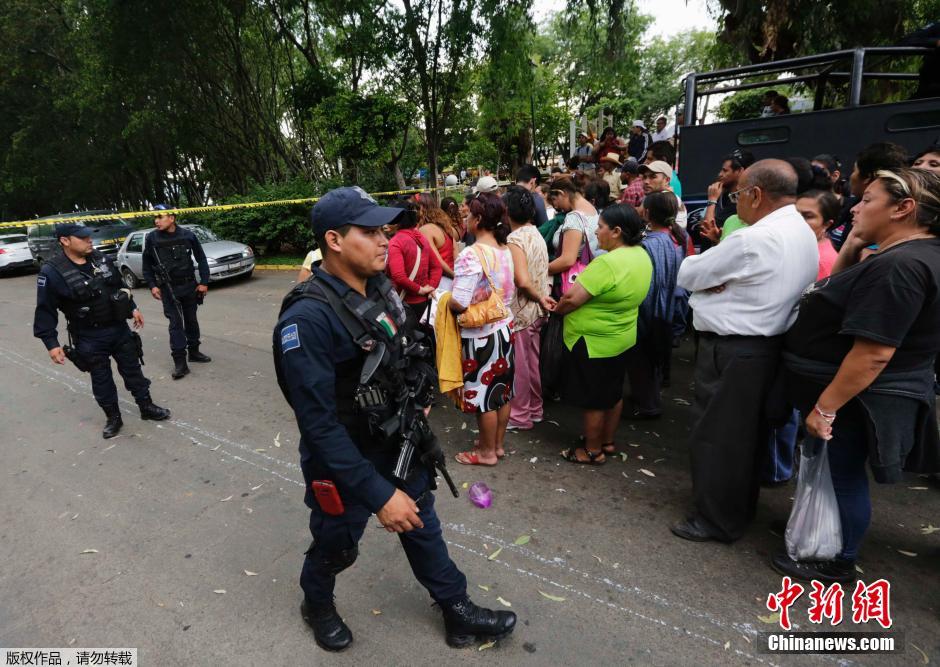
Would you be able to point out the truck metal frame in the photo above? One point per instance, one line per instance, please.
(843, 131)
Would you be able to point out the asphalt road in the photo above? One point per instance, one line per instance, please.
(180, 511)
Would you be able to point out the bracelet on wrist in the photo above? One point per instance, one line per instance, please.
(828, 416)
(711, 202)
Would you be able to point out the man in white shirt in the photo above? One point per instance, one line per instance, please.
(663, 131)
(745, 294)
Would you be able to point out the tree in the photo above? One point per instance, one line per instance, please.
(436, 40)
(779, 29)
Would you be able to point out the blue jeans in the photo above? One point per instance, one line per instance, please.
(781, 444)
(848, 453)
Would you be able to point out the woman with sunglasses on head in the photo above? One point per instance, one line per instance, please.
(860, 356)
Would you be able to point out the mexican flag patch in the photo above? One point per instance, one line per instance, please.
(388, 324)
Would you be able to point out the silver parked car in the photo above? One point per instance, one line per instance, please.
(227, 259)
(14, 253)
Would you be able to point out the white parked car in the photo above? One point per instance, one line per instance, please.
(227, 259)
(15, 253)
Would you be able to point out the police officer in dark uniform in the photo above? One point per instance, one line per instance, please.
(168, 271)
(86, 287)
(342, 355)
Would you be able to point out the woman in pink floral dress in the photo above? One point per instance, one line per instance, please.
(487, 353)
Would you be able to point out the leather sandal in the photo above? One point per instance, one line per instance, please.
(571, 456)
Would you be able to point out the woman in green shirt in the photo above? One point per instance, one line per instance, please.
(600, 326)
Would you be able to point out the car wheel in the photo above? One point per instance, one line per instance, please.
(130, 280)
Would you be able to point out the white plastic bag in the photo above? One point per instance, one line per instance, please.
(814, 531)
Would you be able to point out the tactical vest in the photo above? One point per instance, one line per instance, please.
(90, 302)
(371, 337)
(175, 254)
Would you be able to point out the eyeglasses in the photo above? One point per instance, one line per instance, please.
(734, 196)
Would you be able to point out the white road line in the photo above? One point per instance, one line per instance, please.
(80, 386)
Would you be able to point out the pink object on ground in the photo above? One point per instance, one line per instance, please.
(480, 495)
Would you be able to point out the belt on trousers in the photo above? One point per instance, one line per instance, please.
(710, 335)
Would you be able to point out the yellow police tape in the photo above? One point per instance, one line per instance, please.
(195, 209)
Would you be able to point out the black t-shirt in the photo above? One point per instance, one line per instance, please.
(724, 209)
(891, 298)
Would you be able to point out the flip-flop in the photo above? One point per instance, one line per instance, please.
(500, 453)
(471, 459)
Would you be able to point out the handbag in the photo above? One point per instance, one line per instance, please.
(485, 312)
(414, 272)
(552, 354)
(570, 275)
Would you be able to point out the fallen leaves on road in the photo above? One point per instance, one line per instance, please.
(225, 500)
(859, 570)
(553, 598)
(923, 655)
(907, 553)
(493, 555)
(929, 529)
(681, 401)
(772, 618)
(219, 591)
(647, 472)
(727, 645)
(598, 558)
(261, 449)
(522, 540)
(505, 603)
(215, 448)
(249, 573)
(463, 426)
(376, 612)
(917, 488)
(534, 459)
(465, 485)
(255, 488)
(89, 551)
(277, 439)
(483, 588)
(487, 645)
(623, 456)
(552, 421)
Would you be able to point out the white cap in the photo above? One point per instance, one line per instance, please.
(639, 123)
(486, 184)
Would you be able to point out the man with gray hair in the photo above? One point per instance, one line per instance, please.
(745, 293)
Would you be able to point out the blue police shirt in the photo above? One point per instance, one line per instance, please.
(181, 234)
(51, 291)
(313, 341)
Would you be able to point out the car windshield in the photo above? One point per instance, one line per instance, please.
(6, 240)
(203, 234)
(107, 222)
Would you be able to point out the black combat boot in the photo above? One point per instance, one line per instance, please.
(466, 623)
(149, 410)
(198, 357)
(114, 423)
(180, 368)
(329, 630)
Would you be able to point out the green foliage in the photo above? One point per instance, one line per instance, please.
(266, 229)
(740, 105)
(780, 29)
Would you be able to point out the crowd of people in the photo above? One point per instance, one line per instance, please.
(813, 301)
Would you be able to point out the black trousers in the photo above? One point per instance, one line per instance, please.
(184, 331)
(647, 365)
(100, 345)
(733, 376)
(336, 547)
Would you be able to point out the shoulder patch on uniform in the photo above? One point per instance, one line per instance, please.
(290, 339)
(41, 281)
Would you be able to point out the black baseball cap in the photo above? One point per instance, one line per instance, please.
(350, 206)
(71, 229)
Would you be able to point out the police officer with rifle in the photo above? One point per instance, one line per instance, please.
(168, 256)
(86, 287)
(359, 383)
